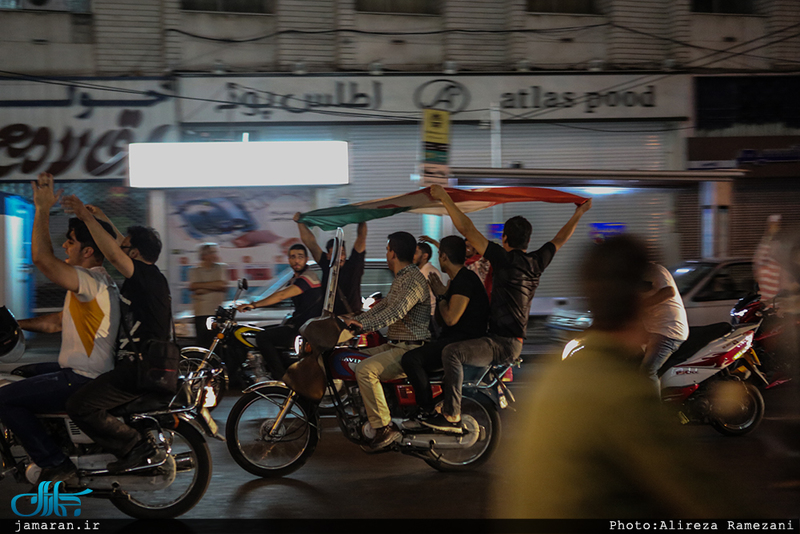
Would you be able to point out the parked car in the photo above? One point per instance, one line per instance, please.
(709, 289)
(377, 278)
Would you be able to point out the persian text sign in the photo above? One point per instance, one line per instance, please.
(78, 130)
(326, 98)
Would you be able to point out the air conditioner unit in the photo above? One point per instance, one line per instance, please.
(69, 6)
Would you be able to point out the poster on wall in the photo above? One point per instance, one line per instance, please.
(253, 228)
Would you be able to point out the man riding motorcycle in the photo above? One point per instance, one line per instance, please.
(306, 293)
(145, 294)
(515, 278)
(88, 325)
(406, 310)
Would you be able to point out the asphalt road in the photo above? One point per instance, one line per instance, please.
(340, 481)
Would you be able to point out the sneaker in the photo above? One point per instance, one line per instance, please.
(60, 473)
(439, 422)
(143, 454)
(384, 436)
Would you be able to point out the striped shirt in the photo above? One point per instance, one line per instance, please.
(766, 268)
(406, 309)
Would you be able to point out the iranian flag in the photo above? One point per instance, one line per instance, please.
(420, 201)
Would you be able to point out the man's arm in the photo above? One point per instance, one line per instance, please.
(568, 229)
(215, 285)
(108, 245)
(99, 214)
(452, 310)
(56, 270)
(662, 295)
(401, 298)
(361, 238)
(308, 239)
(283, 294)
(462, 223)
(44, 324)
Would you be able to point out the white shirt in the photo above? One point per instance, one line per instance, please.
(669, 317)
(89, 324)
(426, 270)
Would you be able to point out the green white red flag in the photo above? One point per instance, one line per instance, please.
(420, 201)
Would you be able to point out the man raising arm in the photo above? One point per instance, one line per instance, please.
(516, 276)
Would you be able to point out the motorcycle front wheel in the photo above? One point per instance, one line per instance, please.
(479, 415)
(741, 414)
(191, 357)
(193, 474)
(288, 446)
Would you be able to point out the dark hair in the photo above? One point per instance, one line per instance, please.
(455, 247)
(518, 232)
(84, 236)
(147, 241)
(298, 246)
(426, 249)
(329, 245)
(613, 275)
(403, 245)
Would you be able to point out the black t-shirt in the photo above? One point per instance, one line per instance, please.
(307, 304)
(515, 279)
(473, 321)
(349, 281)
(149, 313)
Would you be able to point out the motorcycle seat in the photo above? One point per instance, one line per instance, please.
(148, 402)
(699, 337)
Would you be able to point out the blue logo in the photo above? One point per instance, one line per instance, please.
(47, 503)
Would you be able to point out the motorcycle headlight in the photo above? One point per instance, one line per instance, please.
(210, 323)
(298, 345)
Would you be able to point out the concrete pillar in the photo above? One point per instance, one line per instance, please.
(715, 202)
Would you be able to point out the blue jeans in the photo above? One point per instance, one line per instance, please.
(44, 393)
(659, 349)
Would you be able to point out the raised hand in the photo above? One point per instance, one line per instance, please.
(73, 204)
(438, 192)
(44, 197)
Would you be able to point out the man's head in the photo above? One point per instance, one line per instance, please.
(470, 249)
(613, 276)
(142, 243)
(773, 224)
(452, 252)
(81, 249)
(342, 252)
(400, 250)
(298, 257)
(517, 233)
(422, 254)
(208, 252)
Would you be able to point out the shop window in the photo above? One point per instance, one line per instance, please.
(724, 7)
(230, 6)
(568, 7)
(415, 7)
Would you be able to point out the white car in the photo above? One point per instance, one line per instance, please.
(709, 289)
(377, 279)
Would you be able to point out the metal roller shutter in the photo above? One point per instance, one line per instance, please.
(753, 203)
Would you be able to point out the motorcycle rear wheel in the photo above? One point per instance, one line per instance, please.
(193, 459)
(483, 411)
(748, 413)
(248, 426)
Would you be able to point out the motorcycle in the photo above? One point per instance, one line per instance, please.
(274, 428)
(708, 380)
(177, 422)
(769, 343)
(234, 349)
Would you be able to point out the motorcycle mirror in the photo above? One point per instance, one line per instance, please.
(243, 283)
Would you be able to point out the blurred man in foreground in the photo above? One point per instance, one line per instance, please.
(594, 441)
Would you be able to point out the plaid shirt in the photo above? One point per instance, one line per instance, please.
(406, 309)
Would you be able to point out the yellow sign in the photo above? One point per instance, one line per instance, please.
(435, 147)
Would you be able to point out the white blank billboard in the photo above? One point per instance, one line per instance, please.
(212, 164)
